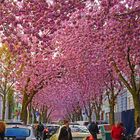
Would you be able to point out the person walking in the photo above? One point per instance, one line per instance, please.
(93, 129)
(124, 132)
(35, 127)
(39, 130)
(117, 132)
(65, 132)
(2, 130)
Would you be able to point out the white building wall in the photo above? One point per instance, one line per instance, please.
(130, 103)
(121, 102)
(124, 102)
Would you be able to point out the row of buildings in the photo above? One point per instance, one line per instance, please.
(124, 111)
(124, 103)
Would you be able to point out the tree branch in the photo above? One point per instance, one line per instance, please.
(10, 86)
(133, 82)
(122, 78)
(128, 13)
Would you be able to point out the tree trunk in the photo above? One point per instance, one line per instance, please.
(137, 109)
(44, 117)
(4, 107)
(45, 114)
(112, 115)
(81, 116)
(90, 116)
(97, 115)
(73, 118)
(24, 114)
(34, 111)
(10, 109)
(24, 109)
(30, 113)
(10, 104)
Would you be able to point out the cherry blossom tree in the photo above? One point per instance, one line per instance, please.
(113, 29)
(74, 42)
(29, 25)
(121, 40)
(113, 87)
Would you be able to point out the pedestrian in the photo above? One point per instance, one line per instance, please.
(35, 127)
(93, 129)
(2, 130)
(117, 132)
(124, 132)
(65, 132)
(40, 129)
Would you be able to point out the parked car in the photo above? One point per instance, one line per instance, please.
(78, 133)
(74, 123)
(19, 132)
(85, 123)
(99, 122)
(136, 135)
(49, 130)
(14, 123)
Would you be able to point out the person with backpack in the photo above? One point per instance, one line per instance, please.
(124, 137)
(117, 131)
(93, 129)
(65, 132)
(40, 129)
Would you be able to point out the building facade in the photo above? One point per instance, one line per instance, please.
(124, 103)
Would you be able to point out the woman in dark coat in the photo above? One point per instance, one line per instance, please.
(65, 132)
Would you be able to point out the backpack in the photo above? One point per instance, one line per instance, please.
(40, 127)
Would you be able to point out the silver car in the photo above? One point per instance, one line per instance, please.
(78, 133)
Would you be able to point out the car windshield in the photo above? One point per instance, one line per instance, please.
(17, 132)
(81, 129)
(52, 128)
(14, 123)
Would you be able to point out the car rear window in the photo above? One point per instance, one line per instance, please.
(79, 129)
(53, 128)
(17, 132)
